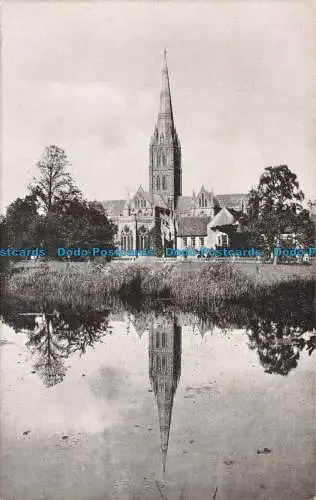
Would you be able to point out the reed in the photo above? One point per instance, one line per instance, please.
(194, 287)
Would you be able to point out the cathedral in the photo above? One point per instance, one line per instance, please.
(162, 217)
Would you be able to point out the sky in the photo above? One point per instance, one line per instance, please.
(86, 76)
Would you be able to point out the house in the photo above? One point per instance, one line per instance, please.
(192, 232)
(225, 229)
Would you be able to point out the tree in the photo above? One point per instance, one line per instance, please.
(85, 224)
(54, 186)
(20, 224)
(53, 189)
(55, 212)
(275, 207)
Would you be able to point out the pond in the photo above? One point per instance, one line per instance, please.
(154, 403)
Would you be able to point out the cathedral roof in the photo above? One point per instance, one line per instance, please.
(113, 207)
(193, 226)
(236, 201)
(184, 204)
(141, 193)
(116, 207)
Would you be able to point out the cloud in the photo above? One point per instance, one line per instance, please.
(87, 77)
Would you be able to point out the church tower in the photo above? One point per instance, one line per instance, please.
(165, 177)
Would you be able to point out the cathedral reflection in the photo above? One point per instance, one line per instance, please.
(164, 350)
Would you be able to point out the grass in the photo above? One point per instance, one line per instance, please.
(192, 285)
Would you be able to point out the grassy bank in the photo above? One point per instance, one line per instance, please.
(192, 285)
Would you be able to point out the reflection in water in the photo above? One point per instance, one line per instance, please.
(278, 345)
(49, 349)
(55, 336)
(164, 372)
(278, 334)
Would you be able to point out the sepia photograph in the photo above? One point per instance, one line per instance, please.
(158, 254)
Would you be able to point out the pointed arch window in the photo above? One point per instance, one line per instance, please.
(127, 239)
(142, 239)
(163, 339)
(158, 183)
(202, 201)
(163, 363)
(164, 182)
(164, 159)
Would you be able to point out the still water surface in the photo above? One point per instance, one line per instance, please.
(147, 406)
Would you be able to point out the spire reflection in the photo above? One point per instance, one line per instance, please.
(164, 352)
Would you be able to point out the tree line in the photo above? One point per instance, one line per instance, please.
(54, 212)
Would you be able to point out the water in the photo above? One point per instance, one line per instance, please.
(150, 405)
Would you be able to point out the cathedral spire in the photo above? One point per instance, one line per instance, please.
(164, 150)
(165, 117)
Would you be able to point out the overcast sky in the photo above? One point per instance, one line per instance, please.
(86, 76)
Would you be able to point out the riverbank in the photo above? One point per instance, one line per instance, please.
(194, 285)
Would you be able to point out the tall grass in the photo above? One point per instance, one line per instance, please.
(193, 287)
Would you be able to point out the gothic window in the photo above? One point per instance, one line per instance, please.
(161, 138)
(158, 183)
(158, 158)
(137, 203)
(163, 363)
(157, 339)
(164, 159)
(126, 239)
(123, 241)
(158, 362)
(130, 242)
(202, 201)
(163, 339)
(164, 182)
(142, 239)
